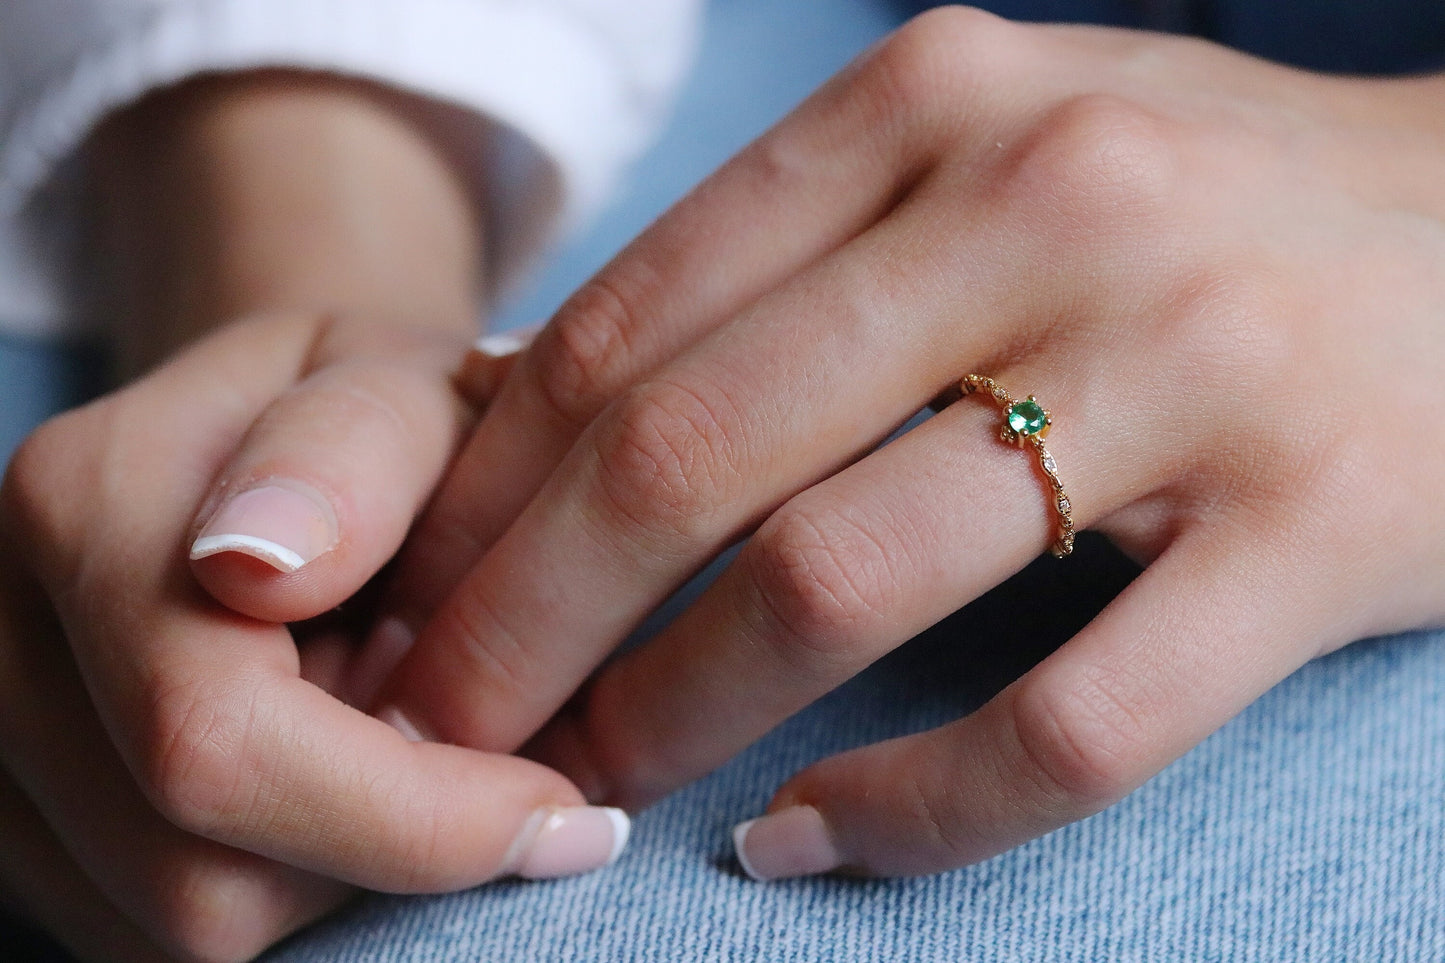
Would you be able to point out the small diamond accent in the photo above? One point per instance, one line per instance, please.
(1049, 464)
(1064, 505)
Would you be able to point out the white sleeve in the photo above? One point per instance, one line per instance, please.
(578, 87)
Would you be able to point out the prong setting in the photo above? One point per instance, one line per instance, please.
(1027, 423)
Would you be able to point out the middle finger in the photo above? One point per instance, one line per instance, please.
(839, 576)
(687, 462)
(825, 174)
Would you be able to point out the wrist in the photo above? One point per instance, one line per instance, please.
(280, 191)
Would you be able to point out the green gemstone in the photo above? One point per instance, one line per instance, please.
(1026, 417)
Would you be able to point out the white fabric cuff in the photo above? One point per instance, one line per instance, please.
(538, 69)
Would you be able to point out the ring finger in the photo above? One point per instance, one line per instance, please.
(694, 457)
(824, 175)
(840, 575)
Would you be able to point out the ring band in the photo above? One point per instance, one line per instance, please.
(1027, 423)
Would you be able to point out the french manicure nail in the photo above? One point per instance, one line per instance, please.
(499, 345)
(505, 343)
(284, 524)
(402, 723)
(565, 841)
(398, 720)
(784, 844)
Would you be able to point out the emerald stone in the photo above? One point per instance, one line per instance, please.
(1026, 417)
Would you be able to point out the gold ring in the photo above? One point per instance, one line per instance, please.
(1027, 423)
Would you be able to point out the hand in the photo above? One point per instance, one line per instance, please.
(185, 779)
(182, 779)
(1223, 277)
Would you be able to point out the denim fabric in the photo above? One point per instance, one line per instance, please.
(38, 379)
(1309, 828)
(1312, 827)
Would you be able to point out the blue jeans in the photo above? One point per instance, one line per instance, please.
(1312, 827)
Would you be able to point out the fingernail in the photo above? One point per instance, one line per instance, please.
(399, 721)
(499, 345)
(791, 842)
(505, 343)
(565, 841)
(284, 524)
(486, 366)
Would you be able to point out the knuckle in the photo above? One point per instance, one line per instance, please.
(1094, 164)
(494, 658)
(1082, 745)
(922, 67)
(42, 470)
(958, 23)
(781, 161)
(581, 359)
(193, 746)
(666, 459)
(938, 818)
(826, 584)
(1223, 328)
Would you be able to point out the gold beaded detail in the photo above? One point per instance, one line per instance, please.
(1027, 423)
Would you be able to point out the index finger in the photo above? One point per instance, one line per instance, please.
(207, 707)
(791, 198)
(238, 749)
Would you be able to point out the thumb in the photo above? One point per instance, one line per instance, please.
(327, 480)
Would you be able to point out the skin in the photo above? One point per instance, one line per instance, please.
(1222, 276)
(179, 781)
(1153, 235)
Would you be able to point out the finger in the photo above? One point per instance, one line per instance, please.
(797, 194)
(191, 896)
(703, 449)
(689, 461)
(327, 788)
(486, 366)
(208, 709)
(237, 748)
(1201, 634)
(840, 575)
(326, 482)
(50, 891)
